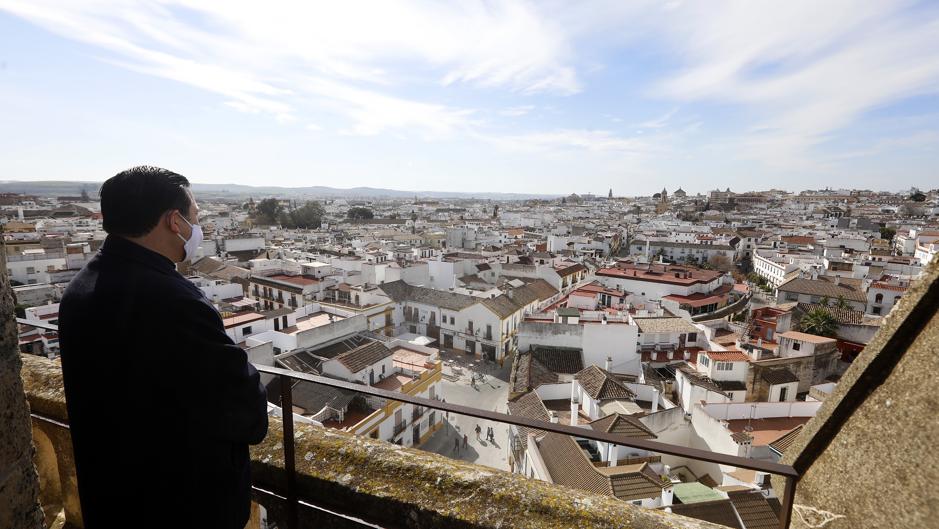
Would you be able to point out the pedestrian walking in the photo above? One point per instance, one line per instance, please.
(478, 431)
(465, 441)
(456, 444)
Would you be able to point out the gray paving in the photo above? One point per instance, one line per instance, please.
(491, 395)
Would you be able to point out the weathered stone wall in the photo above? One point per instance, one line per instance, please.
(19, 483)
(881, 468)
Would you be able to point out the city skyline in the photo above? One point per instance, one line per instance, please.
(517, 98)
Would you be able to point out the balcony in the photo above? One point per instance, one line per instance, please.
(399, 427)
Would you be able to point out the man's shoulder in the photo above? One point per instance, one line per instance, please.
(107, 277)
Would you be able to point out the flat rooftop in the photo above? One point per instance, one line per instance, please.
(300, 280)
(312, 321)
(410, 360)
(766, 430)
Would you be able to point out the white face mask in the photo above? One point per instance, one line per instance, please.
(194, 240)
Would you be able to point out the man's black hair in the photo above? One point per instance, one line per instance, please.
(133, 201)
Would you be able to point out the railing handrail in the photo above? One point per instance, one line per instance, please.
(293, 501)
(584, 433)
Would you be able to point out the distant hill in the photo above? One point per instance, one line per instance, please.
(59, 188)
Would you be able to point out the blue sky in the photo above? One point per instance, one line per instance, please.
(550, 97)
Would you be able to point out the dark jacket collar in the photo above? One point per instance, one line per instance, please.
(121, 247)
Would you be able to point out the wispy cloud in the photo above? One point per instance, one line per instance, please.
(804, 69)
(275, 58)
(658, 122)
(578, 139)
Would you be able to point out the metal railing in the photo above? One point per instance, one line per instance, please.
(292, 502)
(286, 377)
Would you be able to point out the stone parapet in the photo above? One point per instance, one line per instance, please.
(366, 478)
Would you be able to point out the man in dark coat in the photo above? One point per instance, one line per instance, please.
(162, 404)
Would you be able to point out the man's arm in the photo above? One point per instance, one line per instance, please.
(216, 383)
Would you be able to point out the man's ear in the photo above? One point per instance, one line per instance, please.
(171, 221)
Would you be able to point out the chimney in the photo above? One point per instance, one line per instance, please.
(837, 280)
(554, 417)
(667, 498)
(759, 342)
(655, 400)
(574, 406)
(611, 455)
(609, 363)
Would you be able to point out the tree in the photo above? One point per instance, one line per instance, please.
(85, 197)
(358, 212)
(307, 216)
(826, 301)
(721, 262)
(887, 233)
(918, 196)
(819, 322)
(269, 210)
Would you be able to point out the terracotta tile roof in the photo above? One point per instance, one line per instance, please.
(571, 269)
(805, 337)
(727, 356)
(731, 385)
(843, 316)
(754, 510)
(601, 385)
(783, 442)
(567, 360)
(697, 379)
(529, 406)
(568, 465)
(528, 373)
(633, 482)
(850, 289)
(887, 286)
(778, 376)
(363, 356)
(720, 512)
(624, 425)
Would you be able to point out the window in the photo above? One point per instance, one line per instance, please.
(246, 330)
(782, 393)
(705, 360)
(692, 337)
(796, 346)
(452, 321)
(876, 310)
(879, 298)
(725, 366)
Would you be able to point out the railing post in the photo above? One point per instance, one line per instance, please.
(290, 463)
(789, 496)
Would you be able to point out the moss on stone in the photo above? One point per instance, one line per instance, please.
(368, 478)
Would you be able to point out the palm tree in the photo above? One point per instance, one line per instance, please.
(819, 322)
(842, 303)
